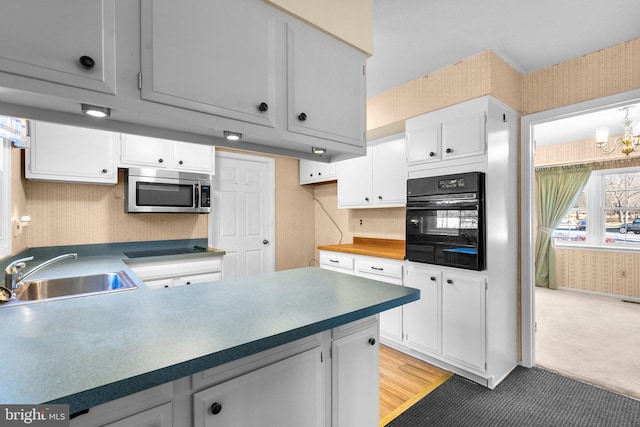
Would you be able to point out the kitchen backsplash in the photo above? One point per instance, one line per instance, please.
(66, 214)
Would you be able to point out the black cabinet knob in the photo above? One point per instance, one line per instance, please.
(87, 62)
(379, 197)
(265, 242)
(311, 175)
(432, 154)
(449, 281)
(188, 283)
(372, 341)
(319, 173)
(433, 278)
(449, 150)
(215, 408)
(160, 160)
(263, 107)
(104, 171)
(366, 199)
(302, 117)
(181, 162)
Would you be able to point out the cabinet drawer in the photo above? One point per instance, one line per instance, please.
(379, 268)
(344, 262)
(198, 278)
(161, 269)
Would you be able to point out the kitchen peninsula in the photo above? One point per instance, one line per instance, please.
(93, 350)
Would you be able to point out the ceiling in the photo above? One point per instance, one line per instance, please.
(412, 38)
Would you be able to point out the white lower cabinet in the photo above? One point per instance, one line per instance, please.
(448, 321)
(423, 324)
(165, 274)
(290, 392)
(355, 392)
(382, 269)
(161, 416)
(463, 320)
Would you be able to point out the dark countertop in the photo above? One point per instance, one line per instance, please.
(88, 350)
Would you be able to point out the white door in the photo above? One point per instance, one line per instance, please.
(242, 219)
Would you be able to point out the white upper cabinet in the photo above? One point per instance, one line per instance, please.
(326, 86)
(222, 62)
(313, 172)
(145, 151)
(378, 179)
(448, 134)
(71, 154)
(43, 40)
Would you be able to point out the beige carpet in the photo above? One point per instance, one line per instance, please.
(590, 338)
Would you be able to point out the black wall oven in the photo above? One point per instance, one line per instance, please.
(445, 220)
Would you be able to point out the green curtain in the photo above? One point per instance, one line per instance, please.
(557, 190)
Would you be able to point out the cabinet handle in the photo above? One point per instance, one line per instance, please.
(311, 175)
(319, 173)
(449, 150)
(87, 62)
(263, 107)
(160, 160)
(432, 154)
(379, 197)
(104, 171)
(180, 162)
(366, 199)
(372, 341)
(302, 117)
(188, 283)
(433, 278)
(377, 268)
(265, 242)
(216, 408)
(449, 281)
(334, 260)
(166, 286)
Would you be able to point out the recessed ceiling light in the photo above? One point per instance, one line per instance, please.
(96, 111)
(319, 151)
(232, 136)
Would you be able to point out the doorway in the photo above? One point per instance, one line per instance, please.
(528, 206)
(242, 221)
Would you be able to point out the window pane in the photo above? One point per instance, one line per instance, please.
(622, 226)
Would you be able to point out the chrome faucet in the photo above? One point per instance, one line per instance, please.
(13, 274)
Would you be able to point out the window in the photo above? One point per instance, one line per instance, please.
(606, 213)
(5, 197)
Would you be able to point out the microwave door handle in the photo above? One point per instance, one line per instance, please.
(196, 197)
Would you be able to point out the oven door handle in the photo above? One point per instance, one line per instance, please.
(444, 206)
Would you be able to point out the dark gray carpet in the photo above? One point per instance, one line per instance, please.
(527, 397)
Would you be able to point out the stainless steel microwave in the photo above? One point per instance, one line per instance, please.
(162, 191)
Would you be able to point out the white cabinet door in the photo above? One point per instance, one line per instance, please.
(463, 320)
(378, 179)
(47, 40)
(222, 62)
(136, 150)
(355, 379)
(161, 416)
(354, 182)
(68, 153)
(389, 271)
(389, 174)
(422, 318)
(145, 151)
(464, 136)
(326, 86)
(290, 392)
(312, 172)
(423, 143)
(193, 157)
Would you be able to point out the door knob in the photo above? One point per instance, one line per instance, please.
(265, 242)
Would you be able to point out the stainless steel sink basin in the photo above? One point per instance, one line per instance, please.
(67, 287)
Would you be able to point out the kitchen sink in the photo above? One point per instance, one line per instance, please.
(68, 287)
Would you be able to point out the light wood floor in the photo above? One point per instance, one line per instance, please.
(403, 381)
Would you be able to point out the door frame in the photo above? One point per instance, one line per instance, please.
(271, 180)
(527, 204)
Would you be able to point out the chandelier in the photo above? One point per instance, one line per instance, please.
(628, 143)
